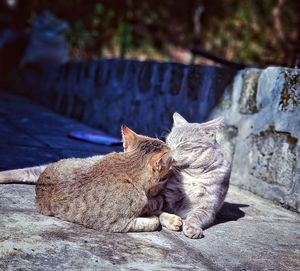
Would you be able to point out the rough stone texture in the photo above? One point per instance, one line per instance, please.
(266, 147)
(290, 93)
(249, 90)
(110, 92)
(272, 158)
(250, 233)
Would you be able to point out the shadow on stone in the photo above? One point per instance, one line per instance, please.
(230, 212)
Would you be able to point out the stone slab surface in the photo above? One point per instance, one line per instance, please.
(31, 135)
(250, 234)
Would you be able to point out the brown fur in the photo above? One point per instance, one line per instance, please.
(106, 193)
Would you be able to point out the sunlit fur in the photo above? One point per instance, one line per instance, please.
(199, 183)
(106, 193)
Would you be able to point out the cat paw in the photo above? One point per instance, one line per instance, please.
(191, 230)
(170, 221)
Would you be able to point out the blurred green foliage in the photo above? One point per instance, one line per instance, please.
(260, 32)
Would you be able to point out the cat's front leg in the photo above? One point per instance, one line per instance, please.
(144, 224)
(196, 221)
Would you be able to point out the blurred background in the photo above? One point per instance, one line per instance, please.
(255, 32)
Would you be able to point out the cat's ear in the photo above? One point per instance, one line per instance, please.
(178, 119)
(211, 127)
(212, 123)
(162, 162)
(129, 138)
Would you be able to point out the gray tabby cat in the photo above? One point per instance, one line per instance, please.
(197, 186)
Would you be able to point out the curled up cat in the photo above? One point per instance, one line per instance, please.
(109, 192)
(197, 185)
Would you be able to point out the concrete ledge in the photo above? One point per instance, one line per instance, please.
(251, 234)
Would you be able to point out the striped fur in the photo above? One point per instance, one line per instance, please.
(106, 193)
(196, 188)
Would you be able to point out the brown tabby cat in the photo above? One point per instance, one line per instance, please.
(108, 192)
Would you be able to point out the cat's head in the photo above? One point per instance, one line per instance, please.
(186, 140)
(153, 153)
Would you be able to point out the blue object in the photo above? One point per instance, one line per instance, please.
(95, 138)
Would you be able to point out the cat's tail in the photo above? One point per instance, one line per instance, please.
(28, 175)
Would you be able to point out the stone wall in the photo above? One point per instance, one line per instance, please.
(262, 132)
(111, 92)
(261, 110)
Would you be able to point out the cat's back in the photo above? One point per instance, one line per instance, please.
(60, 179)
(70, 174)
(67, 169)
